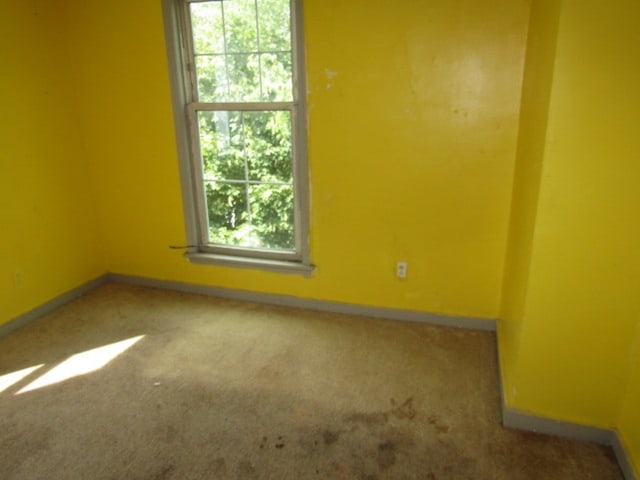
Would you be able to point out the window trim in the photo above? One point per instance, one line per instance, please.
(185, 112)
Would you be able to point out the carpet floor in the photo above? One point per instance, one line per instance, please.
(135, 383)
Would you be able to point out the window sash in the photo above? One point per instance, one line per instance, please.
(200, 194)
(297, 58)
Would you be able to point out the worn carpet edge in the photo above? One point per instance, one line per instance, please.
(511, 417)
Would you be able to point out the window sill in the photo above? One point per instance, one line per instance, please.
(279, 266)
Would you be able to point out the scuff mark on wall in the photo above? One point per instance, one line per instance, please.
(330, 74)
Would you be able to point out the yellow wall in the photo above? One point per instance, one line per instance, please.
(571, 356)
(49, 241)
(536, 93)
(412, 131)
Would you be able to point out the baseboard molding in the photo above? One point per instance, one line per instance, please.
(60, 300)
(624, 460)
(468, 323)
(519, 420)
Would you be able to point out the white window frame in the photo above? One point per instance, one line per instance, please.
(185, 108)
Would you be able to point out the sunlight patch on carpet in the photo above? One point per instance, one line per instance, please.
(81, 364)
(12, 378)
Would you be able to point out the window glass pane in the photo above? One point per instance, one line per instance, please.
(207, 28)
(274, 25)
(267, 224)
(227, 212)
(244, 78)
(241, 26)
(212, 78)
(272, 215)
(268, 146)
(222, 145)
(277, 82)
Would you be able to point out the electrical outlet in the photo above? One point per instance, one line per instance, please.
(401, 269)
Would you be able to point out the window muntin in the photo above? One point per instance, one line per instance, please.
(242, 90)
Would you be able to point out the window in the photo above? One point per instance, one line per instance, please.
(237, 75)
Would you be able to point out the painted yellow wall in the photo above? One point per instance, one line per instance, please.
(412, 131)
(580, 310)
(536, 93)
(49, 242)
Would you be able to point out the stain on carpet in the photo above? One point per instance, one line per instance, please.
(386, 455)
(368, 419)
(438, 424)
(278, 443)
(164, 473)
(330, 437)
(402, 411)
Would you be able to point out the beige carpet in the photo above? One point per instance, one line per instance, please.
(219, 389)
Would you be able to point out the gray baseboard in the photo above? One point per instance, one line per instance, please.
(468, 323)
(34, 314)
(519, 420)
(623, 459)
